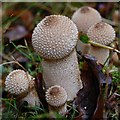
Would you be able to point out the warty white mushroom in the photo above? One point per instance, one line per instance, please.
(55, 38)
(19, 82)
(104, 34)
(56, 98)
(84, 18)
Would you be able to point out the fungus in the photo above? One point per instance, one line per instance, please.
(55, 38)
(20, 83)
(84, 18)
(115, 59)
(104, 34)
(56, 97)
(17, 82)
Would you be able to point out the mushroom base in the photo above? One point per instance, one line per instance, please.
(100, 53)
(32, 98)
(61, 109)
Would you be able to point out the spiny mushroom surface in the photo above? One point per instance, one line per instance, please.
(56, 97)
(54, 37)
(20, 83)
(85, 17)
(102, 33)
(17, 82)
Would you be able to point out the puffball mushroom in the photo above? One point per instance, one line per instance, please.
(56, 97)
(20, 83)
(84, 18)
(55, 38)
(104, 34)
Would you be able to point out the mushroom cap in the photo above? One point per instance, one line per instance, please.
(55, 37)
(17, 82)
(102, 33)
(56, 96)
(85, 17)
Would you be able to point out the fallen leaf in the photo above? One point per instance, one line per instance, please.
(16, 33)
(27, 19)
(87, 97)
(13, 12)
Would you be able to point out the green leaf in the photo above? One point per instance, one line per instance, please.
(84, 38)
(17, 48)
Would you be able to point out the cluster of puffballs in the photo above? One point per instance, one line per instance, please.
(55, 39)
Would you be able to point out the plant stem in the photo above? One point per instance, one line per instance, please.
(103, 46)
(30, 53)
(27, 56)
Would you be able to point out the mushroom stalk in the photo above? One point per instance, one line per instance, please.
(98, 53)
(61, 109)
(32, 96)
(64, 72)
(84, 48)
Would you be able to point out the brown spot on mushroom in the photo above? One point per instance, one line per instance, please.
(55, 91)
(56, 96)
(51, 21)
(84, 10)
(100, 25)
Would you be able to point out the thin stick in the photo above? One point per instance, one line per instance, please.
(7, 63)
(104, 46)
(18, 63)
(13, 62)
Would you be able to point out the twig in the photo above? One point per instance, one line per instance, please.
(18, 63)
(7, 63)
(13, 62)
(104, 46)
